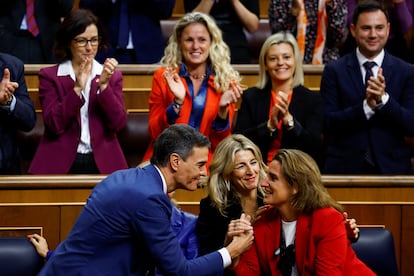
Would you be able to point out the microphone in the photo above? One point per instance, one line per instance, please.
(277, 252)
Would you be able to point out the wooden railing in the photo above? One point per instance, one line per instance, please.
(50, 205)
(138, 81)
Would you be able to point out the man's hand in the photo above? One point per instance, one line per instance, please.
(7, 87)
(375, 90)
(242, 241)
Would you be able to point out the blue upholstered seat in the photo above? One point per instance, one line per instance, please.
(18, 257)
(375, 247)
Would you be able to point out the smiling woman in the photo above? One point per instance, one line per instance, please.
(82, 103)
(196, 84)
(304, 232)
(233, 190)
(280, 112)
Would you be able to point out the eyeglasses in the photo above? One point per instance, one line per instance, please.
(82, 42)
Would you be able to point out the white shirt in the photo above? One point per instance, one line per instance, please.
(225, 255)
(66, 69)
(378, 61)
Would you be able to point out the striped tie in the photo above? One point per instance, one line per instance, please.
(30, 19)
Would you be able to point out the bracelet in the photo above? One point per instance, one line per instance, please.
(177, 105)
(270, 128)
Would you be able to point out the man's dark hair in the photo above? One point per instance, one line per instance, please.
(368, 6)
(180, 139)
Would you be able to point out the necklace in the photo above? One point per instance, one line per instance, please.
(197, 77)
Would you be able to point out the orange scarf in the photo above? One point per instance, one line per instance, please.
(302, 22)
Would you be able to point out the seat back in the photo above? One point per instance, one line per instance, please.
(18, 257)
(375, 247)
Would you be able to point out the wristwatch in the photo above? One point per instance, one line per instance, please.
(9, 101)
(290, 124)
(177, 105)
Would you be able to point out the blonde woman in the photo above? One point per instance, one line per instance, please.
(233, 187)
(196, 84)
(279, 112)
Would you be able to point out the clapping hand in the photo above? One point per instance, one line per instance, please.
(175, 84)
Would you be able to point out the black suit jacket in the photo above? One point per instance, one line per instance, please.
(23, 116)
(306, 109)
(48, 14)
(347, 130)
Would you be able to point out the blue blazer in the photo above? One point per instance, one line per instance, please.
(346, 129)
(23, 117)
(144, 18)
(124, 229)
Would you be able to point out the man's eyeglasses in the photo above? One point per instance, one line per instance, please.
(81, 42)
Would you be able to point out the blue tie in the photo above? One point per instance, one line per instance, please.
(123, 33)
(368, 67)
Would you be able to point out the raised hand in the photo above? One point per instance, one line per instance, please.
(109, 67)
(7, 87)
(175, 84)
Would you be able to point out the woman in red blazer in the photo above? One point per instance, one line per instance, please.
(304, 233)
(196, 84)
(82, 104)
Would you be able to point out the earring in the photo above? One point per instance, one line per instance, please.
(227, 183)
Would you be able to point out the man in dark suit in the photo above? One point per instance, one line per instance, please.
(16, 112)
(15, 37)
(366, 122)
(133, 27)
(124, 228)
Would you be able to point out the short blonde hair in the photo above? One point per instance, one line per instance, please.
(278, 38)
(219, 57)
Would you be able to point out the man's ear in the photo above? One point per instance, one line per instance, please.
(175, 160)
(352, 29)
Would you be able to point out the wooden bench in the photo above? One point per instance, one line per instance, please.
(51, 204)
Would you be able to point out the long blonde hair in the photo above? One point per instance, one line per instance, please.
(219, 187)
(219, 51)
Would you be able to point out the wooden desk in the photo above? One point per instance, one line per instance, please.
(51, 204)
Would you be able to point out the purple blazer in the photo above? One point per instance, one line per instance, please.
(61, 115)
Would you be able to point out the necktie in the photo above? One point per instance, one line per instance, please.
(368, 67)
(30, 19)
(369, 158)
(123, 33)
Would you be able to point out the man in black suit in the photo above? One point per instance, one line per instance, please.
(14, 34)
(368, 110)
(16, 112)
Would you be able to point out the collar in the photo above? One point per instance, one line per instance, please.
(378, 59)
(66, 69)
(184, 72)
(164, 184)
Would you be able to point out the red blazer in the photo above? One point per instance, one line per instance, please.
(322, 247)
(161, 98)
(61, 115)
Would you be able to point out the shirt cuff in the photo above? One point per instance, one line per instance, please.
(220, 124)
(225, 255)
(171, 115)
(367, 110)
(13, 103)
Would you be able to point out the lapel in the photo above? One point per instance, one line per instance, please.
(356, 83)
(302, 240)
